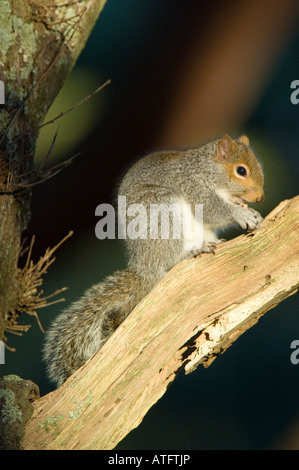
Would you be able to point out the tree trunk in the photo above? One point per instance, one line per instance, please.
(194, 314)
(40, 43)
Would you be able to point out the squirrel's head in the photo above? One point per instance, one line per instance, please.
(245, 174)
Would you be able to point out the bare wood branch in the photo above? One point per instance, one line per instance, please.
(51, 121)
(194, 314)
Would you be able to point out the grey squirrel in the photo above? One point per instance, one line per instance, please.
(222, 175)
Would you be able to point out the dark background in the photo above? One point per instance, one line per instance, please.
(182, 73)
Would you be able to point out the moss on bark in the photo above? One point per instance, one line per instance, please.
(40, 42)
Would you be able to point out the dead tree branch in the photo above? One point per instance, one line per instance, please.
(194, 314)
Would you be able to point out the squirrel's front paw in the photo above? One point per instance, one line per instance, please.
(207, 247)
(248, 219)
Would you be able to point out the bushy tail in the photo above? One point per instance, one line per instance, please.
(81, 329)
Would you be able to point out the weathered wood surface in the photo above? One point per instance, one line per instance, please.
(195, 313)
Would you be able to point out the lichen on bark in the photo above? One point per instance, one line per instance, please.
(16, 398)
(40, 41)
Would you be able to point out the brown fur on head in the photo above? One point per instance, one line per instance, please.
(242, 167)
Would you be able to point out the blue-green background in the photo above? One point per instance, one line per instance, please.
(247, 399)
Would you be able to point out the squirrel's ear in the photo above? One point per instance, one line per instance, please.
(244, 140)
(224, 148)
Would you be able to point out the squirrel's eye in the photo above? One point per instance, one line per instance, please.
(241, 170)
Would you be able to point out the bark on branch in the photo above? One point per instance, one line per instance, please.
(194, 314)
(40, 43)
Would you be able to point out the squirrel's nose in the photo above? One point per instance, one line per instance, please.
(261, 198)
